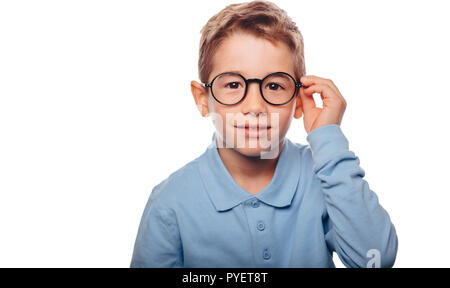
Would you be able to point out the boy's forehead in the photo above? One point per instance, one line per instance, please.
(251, 55)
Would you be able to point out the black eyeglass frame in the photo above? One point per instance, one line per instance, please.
(259, 81)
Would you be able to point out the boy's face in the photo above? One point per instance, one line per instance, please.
(252, 57)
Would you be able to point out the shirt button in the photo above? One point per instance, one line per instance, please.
(260, 226)
(266, 254)
(255, 203)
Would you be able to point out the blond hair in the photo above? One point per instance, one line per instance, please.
(260, 18)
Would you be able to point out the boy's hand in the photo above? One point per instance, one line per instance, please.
(333, 103)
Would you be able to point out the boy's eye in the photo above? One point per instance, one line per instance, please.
(233, 85)
(274, 86)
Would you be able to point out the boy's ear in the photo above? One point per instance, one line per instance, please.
(200, 97)
(298, 106)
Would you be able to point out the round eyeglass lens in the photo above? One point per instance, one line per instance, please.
(278, 88)
(228, 88)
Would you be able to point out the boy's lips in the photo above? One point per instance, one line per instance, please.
(247, 126)
(253, 131)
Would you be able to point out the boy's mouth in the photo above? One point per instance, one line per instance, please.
(248, 126)
(253, 131)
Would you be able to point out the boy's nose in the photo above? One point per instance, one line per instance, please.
(253, 101)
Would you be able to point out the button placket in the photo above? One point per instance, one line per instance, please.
(256, 218)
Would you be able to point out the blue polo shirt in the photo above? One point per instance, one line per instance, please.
(317, 202)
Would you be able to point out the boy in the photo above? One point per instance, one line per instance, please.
(254, 198)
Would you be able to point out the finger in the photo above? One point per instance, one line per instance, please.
(327, 94)
(313, 79)
(309, 80)
(308, 102)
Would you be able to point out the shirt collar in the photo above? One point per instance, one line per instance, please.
(225, 193)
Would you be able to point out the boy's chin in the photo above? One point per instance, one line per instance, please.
(256, 151)
(253, 147)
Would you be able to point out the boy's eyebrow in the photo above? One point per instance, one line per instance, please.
(236, 71)
(242, 73)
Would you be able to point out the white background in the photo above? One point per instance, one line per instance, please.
(96, 109)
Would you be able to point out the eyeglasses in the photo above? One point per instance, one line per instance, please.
(230, 88)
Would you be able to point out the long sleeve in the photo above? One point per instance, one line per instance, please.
(357, 227)
(158, 241)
